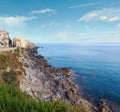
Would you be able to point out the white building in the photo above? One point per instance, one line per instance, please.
(4, 39)
(19, 42)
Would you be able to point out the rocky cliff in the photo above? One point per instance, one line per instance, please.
(42, 81)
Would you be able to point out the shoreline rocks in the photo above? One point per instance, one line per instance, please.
(42, 81)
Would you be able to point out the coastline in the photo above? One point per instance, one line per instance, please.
(45, 82)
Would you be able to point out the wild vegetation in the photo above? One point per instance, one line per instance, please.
(8, 59)
(12, 99)
(10, 78)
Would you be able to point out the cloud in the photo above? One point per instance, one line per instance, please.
(88, 17)
(79, 37)
(83, 5)
(118, 25)
(44, 11)
(114, 19)
(115, 33)
(67, 35)
(49, 25)
(13, 20)
(64, 34)
(73, 36)
(106, 14)
(103, 18)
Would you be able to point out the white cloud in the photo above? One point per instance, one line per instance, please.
(83, 5)
(44, 11)
(79, 37)
(88, 17)
(64, 34)
(106, 14)
(118, 25)
(103, 18)
(114, 19)
(15, 22)
(67, 35)
(115, 33)
(49, 25)
(99, 37)
(73, 36)
(15, 19)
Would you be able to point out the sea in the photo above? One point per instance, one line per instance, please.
(96, 67)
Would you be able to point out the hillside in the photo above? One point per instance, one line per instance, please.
(10, 66)
(32, 85)
(13, 99)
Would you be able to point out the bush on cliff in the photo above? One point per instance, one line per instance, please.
(10, 78)
(8, 59)
(17, 53)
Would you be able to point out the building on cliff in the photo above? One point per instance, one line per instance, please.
(19, 42)
(5, 40)
(22, 43)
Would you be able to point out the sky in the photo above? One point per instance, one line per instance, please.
(62, 21)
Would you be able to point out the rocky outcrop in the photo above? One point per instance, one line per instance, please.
(48, 83)
(106, 104)
(103, 107)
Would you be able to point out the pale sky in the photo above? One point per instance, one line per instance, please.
(62, 21)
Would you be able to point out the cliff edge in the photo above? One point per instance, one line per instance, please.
(44, 82)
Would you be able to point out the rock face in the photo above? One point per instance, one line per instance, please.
(48, 83)
(103, 107)
(113, 106)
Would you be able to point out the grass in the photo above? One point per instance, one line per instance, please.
(8, 59)
(13, 100)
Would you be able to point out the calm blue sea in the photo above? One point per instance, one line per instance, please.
(97, 67)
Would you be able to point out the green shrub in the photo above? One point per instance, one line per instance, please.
(17, 52)
(10, 78)
(2, 57)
